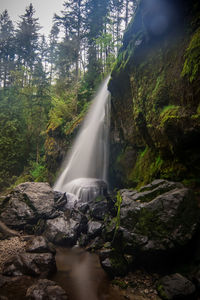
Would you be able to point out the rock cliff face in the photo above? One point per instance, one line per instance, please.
(155, 130)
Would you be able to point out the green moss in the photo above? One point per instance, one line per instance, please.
(124, 57)
(173, 170)
(197, 115)
(191, 66)
(169, 112)
(121, 283)
(119, 264)
(144, 152)
(107, 245)
(158, 94)
(150, 225)
(192, 183)
(118, 205)
(161, 292)
(147, 167)
(198, 109)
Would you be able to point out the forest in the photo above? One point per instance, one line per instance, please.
(46, 83)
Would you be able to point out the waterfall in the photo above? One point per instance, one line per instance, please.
(87, 162)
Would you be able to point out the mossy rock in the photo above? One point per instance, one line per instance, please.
(161, 218)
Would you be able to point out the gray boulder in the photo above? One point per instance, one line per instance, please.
(33, 264)
(113, 263)
(99, 209)
(61, 231)
(27, 203)
(162, 216)
(14, 287)
(46, 290)
(175, 287)
(39, 244)
(94, 229)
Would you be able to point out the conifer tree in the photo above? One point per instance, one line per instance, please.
(7, 53)
(27, 40)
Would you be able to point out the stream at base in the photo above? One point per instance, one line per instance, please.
(81, 276)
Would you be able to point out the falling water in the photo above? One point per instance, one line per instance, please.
(87, 163)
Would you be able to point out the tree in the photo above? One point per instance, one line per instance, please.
(7, 53)
(27, 40)
(53, 49)
(97, 11)
(13, 148)
(72, 20)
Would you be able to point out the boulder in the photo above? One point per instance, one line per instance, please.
(94, 229)
(27, 203)
(15, 287)
(99, 209)
(61, 231)
(175, 286)
(83, 207)
(60, 200)
(46, 290)
(114, 263)
(162, 216)
(33, 264)
(39, 244)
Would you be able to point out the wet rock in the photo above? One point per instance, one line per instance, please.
(113, 263)
(99, 209)
(175, 287)
(95, 244)
(83, 207)
(157, 220)
(81, 221)
(61, 231)
(33, 264)
(94, 229)
(107, 266)
(39, 244)
(27, 203)
(47, 290)
(60, 200)
(10, 285)
(109, 230)
(83, 240)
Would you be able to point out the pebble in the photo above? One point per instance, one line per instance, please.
(10, 247)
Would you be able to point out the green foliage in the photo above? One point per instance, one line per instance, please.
(161, 292)
(63, 110)
(150, 225)
(169, 112)
(12, 137)
(38, 172)
(121, 283)
(118, 205)
(160, 94)
(191, 66)
(147, 167)
(45, 85)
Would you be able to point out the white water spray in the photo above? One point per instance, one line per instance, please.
(87, 161)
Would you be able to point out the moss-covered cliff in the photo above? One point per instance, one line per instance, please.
(155, 90)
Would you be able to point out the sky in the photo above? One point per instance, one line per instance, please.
(45, 10)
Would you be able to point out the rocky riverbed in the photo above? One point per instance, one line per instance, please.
(138, 235)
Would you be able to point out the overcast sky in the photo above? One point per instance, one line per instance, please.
(45, 10)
